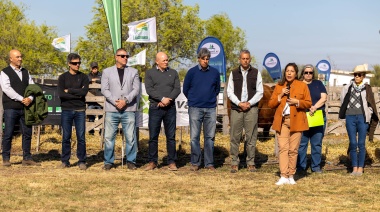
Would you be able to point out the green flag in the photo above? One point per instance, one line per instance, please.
(112, 9)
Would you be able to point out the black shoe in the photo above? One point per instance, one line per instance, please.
(131, 166)
(107, 167)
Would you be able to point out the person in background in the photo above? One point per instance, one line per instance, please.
(314, 134)
(201, 88)
(163, 87)
(245, 89)
(72, 91)
(14, 80)
(95, 78)
(291, 98)
(358, 107)
(120, 87)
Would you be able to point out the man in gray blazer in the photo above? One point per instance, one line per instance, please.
(120, 87)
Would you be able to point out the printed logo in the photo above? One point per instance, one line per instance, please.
(271, 62)
(323, 67)
(213, 48)
(142, 31)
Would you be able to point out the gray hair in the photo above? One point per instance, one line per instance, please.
(303, 70)
(245, 51)
(204, 52)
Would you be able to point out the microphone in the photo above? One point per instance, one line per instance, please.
(288, 87)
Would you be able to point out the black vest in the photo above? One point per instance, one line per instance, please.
(17, 85)
(237, 77)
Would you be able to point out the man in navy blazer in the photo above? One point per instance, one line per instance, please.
(120, 87)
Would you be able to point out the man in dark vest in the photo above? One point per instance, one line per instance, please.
(14, 80)
(245, 89)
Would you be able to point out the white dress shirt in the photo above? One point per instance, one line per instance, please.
(6, 85)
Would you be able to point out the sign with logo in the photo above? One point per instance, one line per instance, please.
(143, 31)
(324, 69)
(218, 58)
(273, 66)
(62, 43)
(54, 105)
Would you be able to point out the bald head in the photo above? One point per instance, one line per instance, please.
(15, 58)
(162, 61)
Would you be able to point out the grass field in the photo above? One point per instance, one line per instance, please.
(47, 188)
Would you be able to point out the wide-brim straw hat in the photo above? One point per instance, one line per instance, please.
(361, 69)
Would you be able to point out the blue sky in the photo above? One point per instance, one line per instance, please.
(345, 32)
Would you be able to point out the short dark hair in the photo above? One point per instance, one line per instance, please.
(121, 49)
(73, 56)
(204, 52)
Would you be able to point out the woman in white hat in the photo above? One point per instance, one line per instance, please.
(357, 107)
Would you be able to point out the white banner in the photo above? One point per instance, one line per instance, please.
(143, 31)
(138, 59)
(143, 114)
(62, 43)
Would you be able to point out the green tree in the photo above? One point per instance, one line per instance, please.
(232, 38)
(179, 30)
(33, 41)
(266, 77)
(375, 81)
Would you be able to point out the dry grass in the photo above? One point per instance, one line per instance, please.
(47, 188)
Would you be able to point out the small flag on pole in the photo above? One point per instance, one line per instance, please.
(62, 43)
(143, 31)
(138, 59)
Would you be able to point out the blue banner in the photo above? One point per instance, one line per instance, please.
(273, 66)
(218, 58)
(324, 69)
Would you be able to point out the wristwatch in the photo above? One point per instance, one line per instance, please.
(126, 100)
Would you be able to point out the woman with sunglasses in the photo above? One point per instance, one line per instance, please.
(291, 98)
(358, 107)
(314, 134)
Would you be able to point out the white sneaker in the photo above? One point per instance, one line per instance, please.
(292, 181)
(283, 181)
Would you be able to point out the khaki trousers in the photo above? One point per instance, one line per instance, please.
(288, 143)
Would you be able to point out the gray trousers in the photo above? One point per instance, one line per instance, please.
(248, 122)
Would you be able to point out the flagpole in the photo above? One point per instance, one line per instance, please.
(70, 43)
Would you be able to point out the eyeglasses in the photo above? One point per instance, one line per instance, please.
(123, 55)
(308, 72)
(358, 75)
(75, 63)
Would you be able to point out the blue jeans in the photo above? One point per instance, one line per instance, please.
(315, 135)
(207, 116)
(112, 121)
(156, 116)
(356, 125)
(11, 117)
(79, 119)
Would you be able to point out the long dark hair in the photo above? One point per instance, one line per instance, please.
(283, 79)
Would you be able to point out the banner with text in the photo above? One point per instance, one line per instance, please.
(143, 31)
(218, 58)
(324, 69)
(273, 66)
(143, 114)
(138, 59)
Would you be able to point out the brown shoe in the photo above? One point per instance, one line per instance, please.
(30, 163)
(172, 167)
(234, 168)
(63, 166)
(82, 166)
(251, 168)
(194, 168)
(150, 166)
(131, 166)
(211, 168)
(6, 163)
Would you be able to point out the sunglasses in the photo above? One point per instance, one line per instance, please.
(123, 55)
(75, 63)
(308, 72)
(358, 75)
